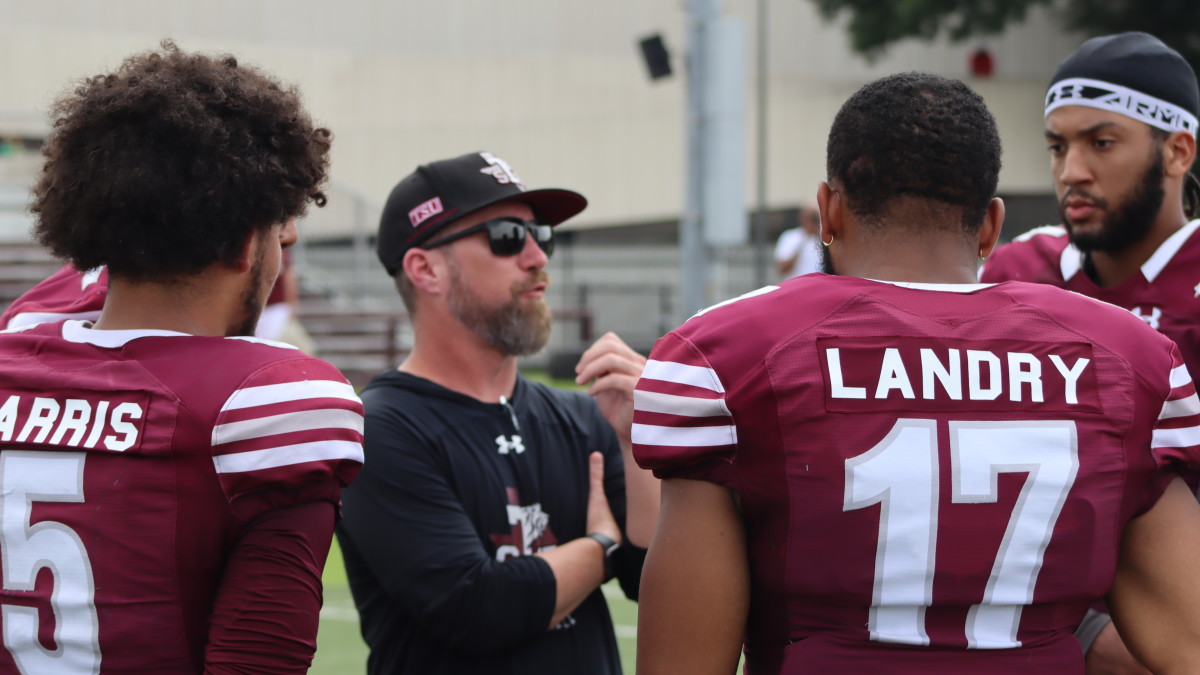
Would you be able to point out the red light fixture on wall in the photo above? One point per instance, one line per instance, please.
(981, 63)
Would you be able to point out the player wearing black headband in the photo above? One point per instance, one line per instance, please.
(1121, 124)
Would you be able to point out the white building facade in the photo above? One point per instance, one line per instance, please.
(557, 87)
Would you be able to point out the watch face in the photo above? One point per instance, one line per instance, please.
(607, 543)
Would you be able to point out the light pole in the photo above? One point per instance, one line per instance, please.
(714, 206)
(760, 174)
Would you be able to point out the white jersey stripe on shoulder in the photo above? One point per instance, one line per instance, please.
(287, 455)
(686, 406)
(288, 391)
(1180, 408)
(307, 420)
(1175, 438)
(1180, 376)
(682, 373)
(684, 437)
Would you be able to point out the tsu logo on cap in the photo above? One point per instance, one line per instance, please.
(425, 210)
(441, 192)
(500, 170)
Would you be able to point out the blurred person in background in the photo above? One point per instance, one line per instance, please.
(796, 250)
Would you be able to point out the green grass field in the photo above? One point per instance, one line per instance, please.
(340, 649)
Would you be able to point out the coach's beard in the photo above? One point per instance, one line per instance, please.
(518, 327)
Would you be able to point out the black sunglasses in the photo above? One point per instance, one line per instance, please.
(506, 236)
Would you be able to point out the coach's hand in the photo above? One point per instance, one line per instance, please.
(613, 368)
(599, 513)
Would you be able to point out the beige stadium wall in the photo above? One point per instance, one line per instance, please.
(555, 86)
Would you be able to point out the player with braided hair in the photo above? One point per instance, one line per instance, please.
(1191, 196)
(1121, 125)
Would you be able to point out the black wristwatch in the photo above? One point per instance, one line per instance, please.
(609, 546)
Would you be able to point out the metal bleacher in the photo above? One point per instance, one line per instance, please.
(22, 262)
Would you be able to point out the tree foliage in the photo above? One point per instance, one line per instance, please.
(877, 24)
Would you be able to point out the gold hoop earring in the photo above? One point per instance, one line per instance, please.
(827, 244)
(981, 255)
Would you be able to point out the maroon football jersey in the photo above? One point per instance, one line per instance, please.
(1165, 294)
(934, 478)
(130, 463)
(66, 294)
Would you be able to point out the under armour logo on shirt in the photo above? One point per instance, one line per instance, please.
(506, 445)
(1150, 318)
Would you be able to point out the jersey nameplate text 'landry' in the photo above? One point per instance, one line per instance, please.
(881, 373)
(75, 422)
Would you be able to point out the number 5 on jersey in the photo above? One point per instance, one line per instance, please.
(28, 476)
(901, 474)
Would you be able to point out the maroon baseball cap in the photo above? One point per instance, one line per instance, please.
(439, 193)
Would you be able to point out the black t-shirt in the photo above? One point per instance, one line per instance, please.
(454, 496)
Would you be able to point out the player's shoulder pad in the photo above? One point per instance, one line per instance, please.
(756, 315)
(745, 296)
(1039, 255)
(1108, 323)
(739, 316)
